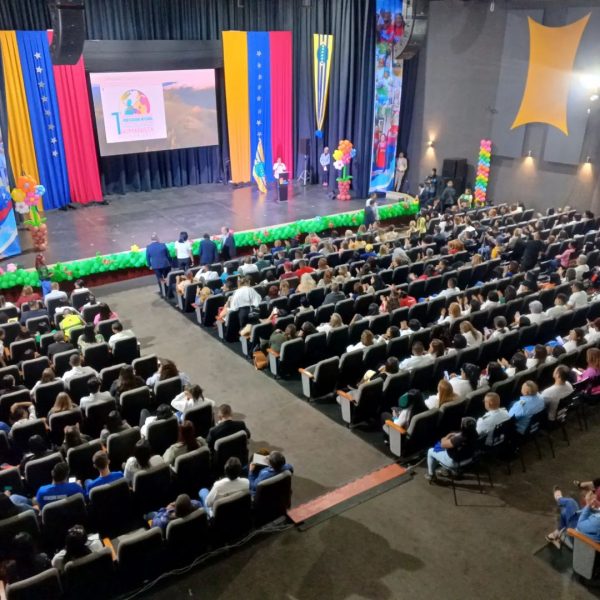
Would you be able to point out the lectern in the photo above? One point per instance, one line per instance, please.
(282, 186)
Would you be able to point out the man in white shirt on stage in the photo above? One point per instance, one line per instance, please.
(278, 168)
(325, 161)
(401, 167)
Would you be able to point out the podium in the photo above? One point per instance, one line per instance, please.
(282, 186)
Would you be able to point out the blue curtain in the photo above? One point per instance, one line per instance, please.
(407, 105)
(38, 78)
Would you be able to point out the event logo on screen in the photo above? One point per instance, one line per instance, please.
(133, 114)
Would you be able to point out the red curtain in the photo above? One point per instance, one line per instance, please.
(78, 134)
(280, 43)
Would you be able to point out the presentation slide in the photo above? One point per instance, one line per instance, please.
(154, 110)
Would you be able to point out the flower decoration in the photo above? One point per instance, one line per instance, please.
(11, 268)
(342, 155)
(135, 248)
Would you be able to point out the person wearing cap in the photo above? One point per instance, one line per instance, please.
(158, 259)
(288, 271)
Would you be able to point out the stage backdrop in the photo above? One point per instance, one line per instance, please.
(350, 113)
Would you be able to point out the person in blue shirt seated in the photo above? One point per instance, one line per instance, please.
(59, 489)
(589, 520)
(101, 463)
(182, 507)
(277, 465)
(530, 403)
(568, 517)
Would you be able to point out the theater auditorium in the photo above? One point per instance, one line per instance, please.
(299, 299)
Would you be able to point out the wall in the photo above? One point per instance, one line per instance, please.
(454, 106)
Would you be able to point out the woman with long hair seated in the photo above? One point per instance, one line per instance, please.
(186, 442)
(445, 394)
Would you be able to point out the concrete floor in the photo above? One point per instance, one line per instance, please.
(408, 542)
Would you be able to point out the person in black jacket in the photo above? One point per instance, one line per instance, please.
(225, 426)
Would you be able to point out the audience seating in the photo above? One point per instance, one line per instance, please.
(46, 585)
(232, 518)
(188, 536)
(273, 498)
(57, 517)
(97, 568)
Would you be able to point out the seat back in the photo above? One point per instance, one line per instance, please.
(374, 356)
(126, 351)
(133, 401)
(273, 498)
(367, 402)
(356, 329)
(145, 366)
(58, 421)
(97, 356)
(25, 521)
(162, 433)
(193, 471)
(152, 488)
(422, 378)
(337, 341)
(45, 396)
(139, 556)
(96, 416)
(315, 347)
(23, 430)
(187, 538)
(325, 378)
(351, 368)
(201, 416)
(394, 386)
(38, 471)
(80, 460)
(291, 356)
(166, 390)
(79, 298)
(61, 360)
(120, 446)
(32, 370)
(91, 577)
(58, 517)
(103, 500)
(235, 444)
(7, 400)
(422, 433)
(108, 375)
(78, 386)
(45, 585)
(11, 331)
(18, 349)
(232, 518)
(451, 414)
(10, 479)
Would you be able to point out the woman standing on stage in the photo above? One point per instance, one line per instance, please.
(183, 249)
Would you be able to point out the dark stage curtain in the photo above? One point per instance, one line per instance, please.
(407, 105)
(350, 106)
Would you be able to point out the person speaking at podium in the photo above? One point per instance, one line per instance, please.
(278, 168)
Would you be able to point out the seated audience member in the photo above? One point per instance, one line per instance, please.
(8, 385)
(560, 389)
(36, 310)
(105, 314)
(418, 359)
(105, 475)
(60, 487)
(467, 381)
(25, 561)
(244, 297)
(452, 289)
(335, 295)
(582, 268)
(445, 394)
(492, 300)
(247, 267)
(163, 412)
(71, 319)
(126, 381)
(141, 460)
(232, 483)
(410, 404)
(13, 504)
(529, 404)
(95, 394)
(589, 519)
(79, 286)
(118, 333)
(167, 370)
(182, 507)
(307, 329)
(453, 450)
(500, 329)
(48, 376)
(77, 545)
(592, 371)
(391, 366)
(77, 368)
(277, 464)
(186, 442)
(493, 374)
(411, 327)
(307, 284)
(593, 334)
(114, 424)
(568, 516)
(55, 294)
(37, 447)
(225, 426)
(576, 339)
(62, 403)
(58, 345)
(494, 416)
(589, 486)
(73, 438)
(452, 314)
(540, 357)
(288, 272)
(578, 297)
(366, 339)
(28, 296)
(518, 363)
(536, 313)
(335, 321)
(302, 269)
(472, 335)
(559, 308)
(88, 338)
(278, 337)
(191, 396)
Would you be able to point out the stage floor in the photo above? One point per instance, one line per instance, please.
(131, 219)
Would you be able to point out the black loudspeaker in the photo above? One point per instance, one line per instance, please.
(454, 168)
(69, 31)
(304, 146)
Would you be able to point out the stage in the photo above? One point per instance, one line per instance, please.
(130, 219)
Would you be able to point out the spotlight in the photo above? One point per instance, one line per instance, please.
(588, 159)
(594, 97)
(430, 143)
(529, 153)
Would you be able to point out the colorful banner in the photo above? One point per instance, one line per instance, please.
(9, 239)
(258, 171)
(322, 57)
(388, 93)
(258, 91)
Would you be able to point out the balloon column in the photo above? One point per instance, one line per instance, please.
(27, 196)
(483, 172)
(342, 156)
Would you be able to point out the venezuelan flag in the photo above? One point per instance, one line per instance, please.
(258, 171)
(258, 85)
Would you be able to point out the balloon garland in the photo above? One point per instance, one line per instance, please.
(483, 172)
(27, 196)
(135, 258)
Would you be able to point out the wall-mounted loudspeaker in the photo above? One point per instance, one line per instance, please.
(69, 31)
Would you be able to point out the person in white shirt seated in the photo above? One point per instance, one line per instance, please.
(500, 329)
(55, 293)
(593, 334)
(244, 296)
(335, 321)
(453, 313)
(472, 335)
(366, 339)
(445, 394)
(118, 333)
(163, 412)
(578, 297)
(494, 415)
(539, 357)
(248, 267)
(204, 274)
(79, 287)
(191, 396)
(419, 358)
(536, 313)
(559, 308)
(77, 369)
(492, 300)
(228, 485)
(560, 389)
(582, 267)
(467, 381)
(518, 363)
(95, 394)
(411, 327)
(141, 460)
(452, 289)
(576, 339)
